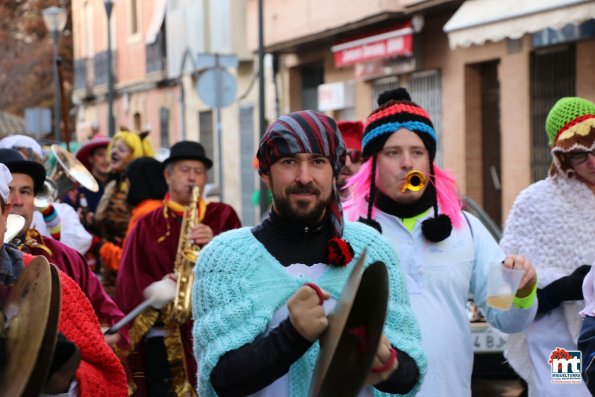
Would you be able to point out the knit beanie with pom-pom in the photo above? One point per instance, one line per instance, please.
(396, 110)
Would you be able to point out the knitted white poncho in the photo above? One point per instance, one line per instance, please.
(552, 223)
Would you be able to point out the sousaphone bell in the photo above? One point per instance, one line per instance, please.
(68, 171)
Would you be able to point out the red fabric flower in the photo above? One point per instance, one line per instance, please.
(338, 252)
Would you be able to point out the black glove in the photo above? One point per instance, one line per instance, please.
(3, 354)
(567, 288)
(64, 364)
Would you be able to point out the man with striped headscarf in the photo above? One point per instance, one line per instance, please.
(261, 293)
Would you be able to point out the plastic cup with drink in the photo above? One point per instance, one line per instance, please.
(502, 285)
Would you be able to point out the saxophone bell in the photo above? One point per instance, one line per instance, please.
(414, 181)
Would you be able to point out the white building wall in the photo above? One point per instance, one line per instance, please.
(220, 26)
(217, 26)
(184, 21)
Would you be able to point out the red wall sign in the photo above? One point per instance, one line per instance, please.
(385, 45)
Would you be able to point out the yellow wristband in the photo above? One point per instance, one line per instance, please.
(527, 301)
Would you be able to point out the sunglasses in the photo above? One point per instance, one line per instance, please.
(575, 158)
(355, 156)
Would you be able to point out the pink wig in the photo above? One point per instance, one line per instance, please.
(446, 191)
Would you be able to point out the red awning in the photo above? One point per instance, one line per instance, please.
(388, 44)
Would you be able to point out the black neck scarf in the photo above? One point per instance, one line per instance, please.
(293, 242)
(404, 211)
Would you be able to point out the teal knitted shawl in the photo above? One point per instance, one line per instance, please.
(239, 286)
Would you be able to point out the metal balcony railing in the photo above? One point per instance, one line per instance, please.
(80, 73)
(84, 74)
(101, 67)
(155, 54)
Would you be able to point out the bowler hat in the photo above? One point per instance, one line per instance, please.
(188, 150)
(18, 165)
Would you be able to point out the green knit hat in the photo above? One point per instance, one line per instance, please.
(567, 117)
(570, 126)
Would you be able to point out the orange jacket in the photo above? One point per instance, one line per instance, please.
(110, 253)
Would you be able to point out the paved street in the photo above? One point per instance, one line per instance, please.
(496, 388)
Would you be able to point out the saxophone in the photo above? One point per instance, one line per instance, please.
(179, 310)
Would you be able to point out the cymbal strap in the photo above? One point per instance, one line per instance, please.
(388, 363)
(318, 291)
(361, 335)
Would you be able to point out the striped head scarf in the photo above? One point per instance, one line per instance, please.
(306, 131)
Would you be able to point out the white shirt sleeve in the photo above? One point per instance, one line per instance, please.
(73, 391)
(72, 232)
(488, 251)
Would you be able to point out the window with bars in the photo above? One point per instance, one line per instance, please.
(553, 76)
(381, 85)
(207, 139)
(247, 151)
(312, 77)
(156, 53)
(164, 126)
(424, 88)
(133, 16)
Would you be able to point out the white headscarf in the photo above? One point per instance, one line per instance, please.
(23, 141)
(5, 179)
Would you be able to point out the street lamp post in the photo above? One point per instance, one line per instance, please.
(55, 21)
(261, 97)
(109, 5)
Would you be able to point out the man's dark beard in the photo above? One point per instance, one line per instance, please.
(285, 210)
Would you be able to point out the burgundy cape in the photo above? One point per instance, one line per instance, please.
(73, 264)
(145, 260)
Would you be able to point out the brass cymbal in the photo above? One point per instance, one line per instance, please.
(348, 346)
(32, 311)
(14, 225)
